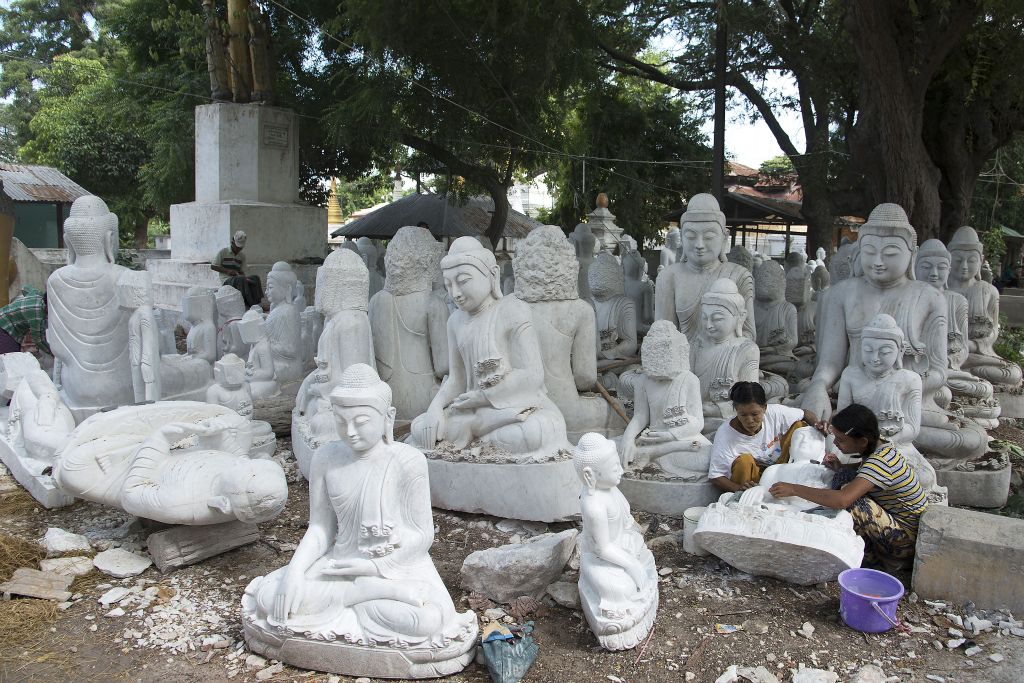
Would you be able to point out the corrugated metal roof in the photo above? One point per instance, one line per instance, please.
(38, 184)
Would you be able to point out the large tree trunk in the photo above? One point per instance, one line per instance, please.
(899, 50)
(141, 232)
(496, 228)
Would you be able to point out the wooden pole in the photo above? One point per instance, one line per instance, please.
(612, 402)
(718, 160)
(238, 50)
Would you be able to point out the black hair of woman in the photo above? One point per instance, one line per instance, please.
(743, 393)
(858, 422)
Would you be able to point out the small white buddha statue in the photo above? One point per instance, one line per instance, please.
(983, 308)
(232, 391)
(495, 387)
(409, 323)
(682, 285)
(639, 288)
(667, 410)
(361, 588)
(933, 266)
(127, 459)
(230, 309)
(38, 422)
(342, 287)
(586, 247)
(777, 329)
(260, 369)
(283, 324)
(670, 253)
(616, 313)
(618, 582)
(188, 375)
(721, 355)
(135, 294)
(368, 250)
(87, 330)
(299, 296)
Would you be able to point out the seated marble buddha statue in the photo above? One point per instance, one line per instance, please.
(667, 411)
(362, 577)
(882, 284)
(776, 319)
(495, 387)
(983, 310)
(616, 312)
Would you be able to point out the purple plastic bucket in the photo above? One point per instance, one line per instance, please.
(868, 599)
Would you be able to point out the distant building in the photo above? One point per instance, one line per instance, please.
(42, 198)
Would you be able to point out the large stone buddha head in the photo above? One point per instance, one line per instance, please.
(410, 261)
(362, 408)
(967, 255)
(90, 229)
(886, 246)
(606, 277)
(722, 311)
(471, 275)
(545, 266)
(881, 346)
(597, 462)
(932, 264)
(703, 233)
(769, 282)
(665, 351)
(230, 304)
(342, 283)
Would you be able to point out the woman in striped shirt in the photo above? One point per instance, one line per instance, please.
(882, 493)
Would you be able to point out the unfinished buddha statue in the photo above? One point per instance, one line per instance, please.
(284, 330)
(616, 313)
(638, 288)
(230, 309)
(776, 319)
(135, 294)
(232, 391)
(586, 246)
(260, 370)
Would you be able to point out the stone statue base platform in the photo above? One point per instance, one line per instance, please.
(977, 489)
(667, 497)
(629, 638)
(534, 492)
(28, 473)
(180, 546)
(339, 657)
(1011, 402)
(769, 540)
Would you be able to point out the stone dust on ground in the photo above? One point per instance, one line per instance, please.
(185, 626)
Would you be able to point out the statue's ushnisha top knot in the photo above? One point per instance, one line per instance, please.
(966, 239)
(723, 292)
(888, 220)
(360, 385)
(883, 326)
(703, 207)
(591, 449)
(933, 248)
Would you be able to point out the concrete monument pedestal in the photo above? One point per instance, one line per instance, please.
(540, 492)
(247, 178)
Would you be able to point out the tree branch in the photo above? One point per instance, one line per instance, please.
(483, 175)
(754, 96)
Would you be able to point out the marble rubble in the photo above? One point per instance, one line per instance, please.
(495, 441)
(510, 571)
(342, 297)
(664, 453)
(618, 584)
(883, 267)
(35, 428)
(360, 595)
(566, 329)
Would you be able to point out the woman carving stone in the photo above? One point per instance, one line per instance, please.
(495, 387)
(361, 593)
(983, 306)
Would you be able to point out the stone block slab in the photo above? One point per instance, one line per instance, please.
(966, 555)
(1011, 403)
(978, 489)
(40, 486)
(181, 546)
(33, 583)
(667, 498)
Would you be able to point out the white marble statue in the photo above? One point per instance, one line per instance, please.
(232, 391)
(260, 369)
(741, 256)
(776, 319)
(87, 329)
(983, 309)
(892, 393)
(127, 459)
(973, 393)
(671, 253)
(618, 582)
(667, 410)
(807, 449)
(545, 273)
(135, 294)
(230, 309)
(882, 284)
(495, 387)
(799, 293)
(639, 288)
(721, 355)
(360, 595)
(312, 323)
(409, 323)
(186, 376)
(299, 296)
(819, 255)
(368, 250)
(682, 286)
(283, 324)
(586, 245)
(840, 266)
(616, 312)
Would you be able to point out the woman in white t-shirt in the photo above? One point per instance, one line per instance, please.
(757, 437)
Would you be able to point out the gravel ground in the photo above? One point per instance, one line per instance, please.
(185, 626)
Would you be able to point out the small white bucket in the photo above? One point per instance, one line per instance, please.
(690, 519)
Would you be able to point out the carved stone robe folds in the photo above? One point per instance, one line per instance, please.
(680, 290)
(88, 334)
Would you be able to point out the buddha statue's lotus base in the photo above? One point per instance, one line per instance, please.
(632, 636)
(668, 497)
(350, 659)
(771, 540)
(535, 492)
